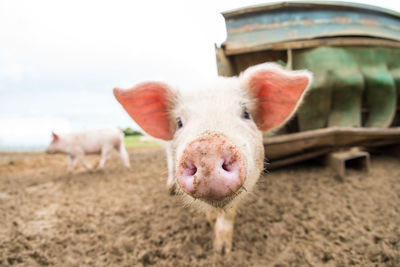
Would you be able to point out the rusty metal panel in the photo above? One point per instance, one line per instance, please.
(301, 44)
(301, 21)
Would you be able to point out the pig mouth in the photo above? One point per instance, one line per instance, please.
(223, 203)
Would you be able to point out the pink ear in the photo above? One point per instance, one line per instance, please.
(278, 93)
(55, 136)
(147, 104)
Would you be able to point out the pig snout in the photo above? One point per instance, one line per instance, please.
(211, 168)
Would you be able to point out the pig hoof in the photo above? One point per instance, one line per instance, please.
(223, 248)
(222, 240)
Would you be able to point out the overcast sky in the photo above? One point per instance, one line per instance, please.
(59, 60)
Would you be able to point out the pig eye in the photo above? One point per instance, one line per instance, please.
(246, 114)
(179, 122)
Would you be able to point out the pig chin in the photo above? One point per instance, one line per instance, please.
(219, 204)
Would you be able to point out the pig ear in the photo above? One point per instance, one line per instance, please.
(278, 93)
(55, 136)
(148, 104)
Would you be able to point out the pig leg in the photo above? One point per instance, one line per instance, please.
(81, 158)
(123, 155)
(211, 217)
(105, 152)
(223, 231)
(72, 161)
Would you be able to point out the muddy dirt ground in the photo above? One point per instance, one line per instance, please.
(298, 216)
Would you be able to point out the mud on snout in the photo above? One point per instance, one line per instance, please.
(212, 169)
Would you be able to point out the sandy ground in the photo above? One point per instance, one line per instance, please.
(298, 216)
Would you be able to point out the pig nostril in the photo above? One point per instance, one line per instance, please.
(192, 171)
(226, 167)
(189, 169)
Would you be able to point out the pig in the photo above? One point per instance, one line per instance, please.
(95, 141)
(214, 135)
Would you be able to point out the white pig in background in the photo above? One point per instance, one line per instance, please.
(215, 146)
(99, 141)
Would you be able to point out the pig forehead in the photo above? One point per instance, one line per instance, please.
(222, 93)
(228, 86)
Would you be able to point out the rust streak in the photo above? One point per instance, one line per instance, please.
(307, 22)
(370, 22)
(272, 25)
(341, 20)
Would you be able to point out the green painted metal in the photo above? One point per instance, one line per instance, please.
(353, 51)
(348, 80)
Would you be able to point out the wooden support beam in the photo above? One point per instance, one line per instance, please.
(342, 160)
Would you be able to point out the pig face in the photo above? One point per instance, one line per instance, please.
(215, 133)
(217, 147)
(56, 145)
